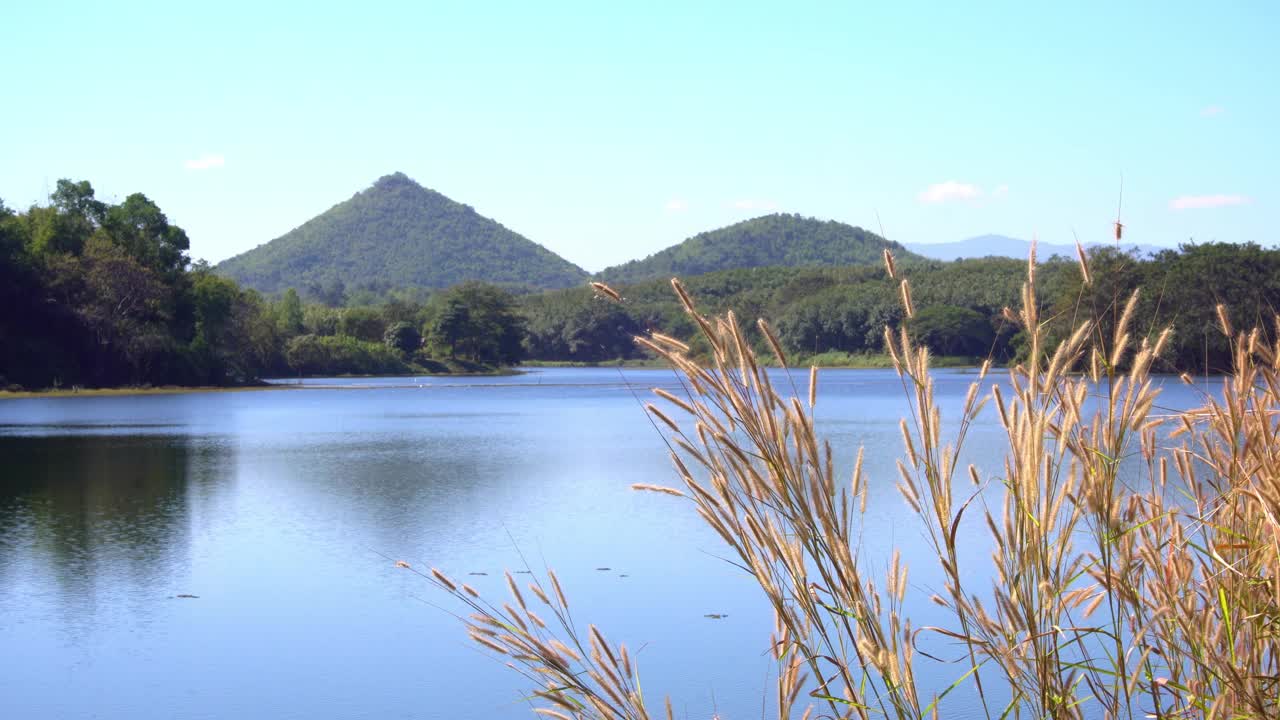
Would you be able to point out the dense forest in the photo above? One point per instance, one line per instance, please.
(837, 316)
(778, 240)
(824, 315)
(95, 294)
(100, 295)
(397, 235)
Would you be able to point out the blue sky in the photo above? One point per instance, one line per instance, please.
(607, 131)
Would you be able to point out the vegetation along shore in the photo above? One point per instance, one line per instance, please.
(102, 295)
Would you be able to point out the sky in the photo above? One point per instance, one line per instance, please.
(608, 131)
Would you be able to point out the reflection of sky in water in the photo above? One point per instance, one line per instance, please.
(272, 507)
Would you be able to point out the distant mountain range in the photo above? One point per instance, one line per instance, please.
(398, 234)
(770, 241)
(1003, 246)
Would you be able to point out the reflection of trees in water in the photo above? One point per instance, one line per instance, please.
(100, 518)
(395, 493)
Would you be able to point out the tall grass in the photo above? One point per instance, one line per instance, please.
(1108, 597)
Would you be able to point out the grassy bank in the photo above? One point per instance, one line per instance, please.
(449, 368)
(129, 391)
(641, 363)
(833, 359)
(867, 361)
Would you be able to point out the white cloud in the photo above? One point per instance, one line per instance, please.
(948, 191)
(1211, 110)
(676, 205)
(206, 162)
(1199, 202)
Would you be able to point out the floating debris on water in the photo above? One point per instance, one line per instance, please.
(187, 595)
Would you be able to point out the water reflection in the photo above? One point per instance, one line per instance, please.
(271, 506)
(100, 518)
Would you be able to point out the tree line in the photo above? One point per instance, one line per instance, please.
(97, 294)
(838, 315)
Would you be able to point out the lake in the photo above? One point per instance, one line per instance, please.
(278, 510)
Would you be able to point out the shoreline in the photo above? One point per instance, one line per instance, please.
(280, 383)
(642, 364)
(127, 391)
(832, 362)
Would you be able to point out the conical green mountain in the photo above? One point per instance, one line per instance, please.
(398, 234)
(768, 241)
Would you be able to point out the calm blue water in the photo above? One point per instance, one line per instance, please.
(275, 507)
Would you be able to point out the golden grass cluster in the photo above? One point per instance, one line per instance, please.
(1110, 596)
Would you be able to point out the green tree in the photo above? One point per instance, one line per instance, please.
(362, 323)
(396, 310)
(600, 330)
(402, 337)
(289, 313)
(1184, 288)
(67, 222)
(314, 355)
(49, 232)
(575, 325)
(950, 330)
(480, 321)
(124, 305)
(138, 226)
(101, 294)
(452, 325)
(77, 199)
(320, 320)
(234, 338)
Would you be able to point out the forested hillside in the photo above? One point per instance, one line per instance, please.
(770, 241)
(396, 235)
(838, 315)
(815, 310)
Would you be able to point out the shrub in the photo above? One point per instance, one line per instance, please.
(341, 355)
(402, 337)
(362, 323)
(949, 330)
